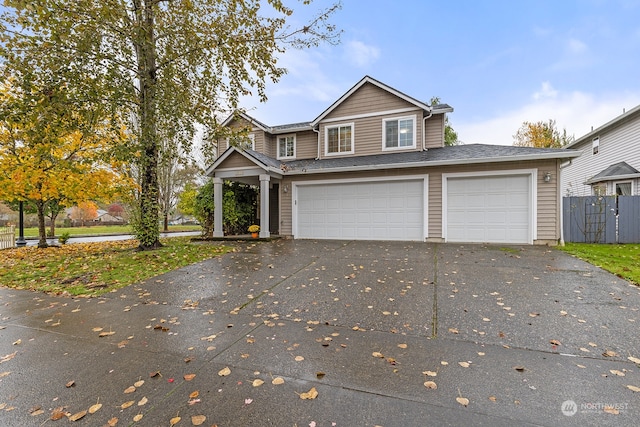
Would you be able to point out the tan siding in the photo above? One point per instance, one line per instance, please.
(367, 99)
(235, 160)
(258, 140)
(435, 205)
(548, 224)
(306, 145)
(368, 134)
(434, 137)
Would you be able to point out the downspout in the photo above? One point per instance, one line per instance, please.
(562, 166)
(318, 132)
(424, 130)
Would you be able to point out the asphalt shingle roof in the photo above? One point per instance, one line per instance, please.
(616, 170)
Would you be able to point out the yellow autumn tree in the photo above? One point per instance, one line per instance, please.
(541, 135)
(53, 151)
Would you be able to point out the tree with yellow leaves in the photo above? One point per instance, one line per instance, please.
(55, 152)
(541, 135)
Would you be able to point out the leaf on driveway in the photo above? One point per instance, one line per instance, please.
(555, 342)
(189, 377)
(309, 395)
(430, 385)
(430, 373)
(519, 368)
(634, 388)
(125, 405)
(610, 353)
(462, 400)
(277, 381)
(198, 420)
(377, 354)
(617, 372)
(224, 372)
(173, 421)
(464, 364)
(611, 410)
(299, 358)
(257, 382)
(77, 415)
(402, 346)
(129, 389)
(634, 359)
(454, 330)
(95, 408)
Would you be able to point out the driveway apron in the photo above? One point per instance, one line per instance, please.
(386, 334)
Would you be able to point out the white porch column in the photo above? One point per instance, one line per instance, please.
(264, 206)
(217, 207)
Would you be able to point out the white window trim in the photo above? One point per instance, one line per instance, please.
(396, 119)
(625, 181)
(278, 156)
(251, 136)
(326, 139)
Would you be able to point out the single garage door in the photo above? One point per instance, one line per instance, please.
(390, 210)
(492, 209)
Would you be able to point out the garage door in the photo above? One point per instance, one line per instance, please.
(493, 209)
(391, 210)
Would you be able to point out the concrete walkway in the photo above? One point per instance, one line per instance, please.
(524, 335)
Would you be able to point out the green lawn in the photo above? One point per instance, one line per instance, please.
(621, 260)
(96, 268)
(101, 230)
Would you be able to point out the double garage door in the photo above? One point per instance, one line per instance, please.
(385, 210)
(491, 209)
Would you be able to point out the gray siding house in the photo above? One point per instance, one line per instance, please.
(373, 166)
(610, 160)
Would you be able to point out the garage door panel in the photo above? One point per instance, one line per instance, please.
(392, 210)
(493, 209)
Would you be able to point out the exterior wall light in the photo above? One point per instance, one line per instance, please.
(547, 177)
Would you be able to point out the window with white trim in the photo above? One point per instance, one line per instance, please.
(596, 144)
(286, 147)
(243, 142)
(624, 188)
(339, 139)
(399, 133)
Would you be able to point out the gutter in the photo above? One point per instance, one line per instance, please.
(424, 130)
(318, 132)
(559, 197)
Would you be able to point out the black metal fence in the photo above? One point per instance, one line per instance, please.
(601, 219)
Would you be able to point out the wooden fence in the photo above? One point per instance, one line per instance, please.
(7, 237)
(601, 219)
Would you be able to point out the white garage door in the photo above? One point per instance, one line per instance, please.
(492, 209)
(391, 210)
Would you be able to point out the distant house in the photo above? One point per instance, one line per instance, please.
(374, 166)
(610, 160)
(106, 217)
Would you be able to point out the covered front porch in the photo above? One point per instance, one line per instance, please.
(245, 166)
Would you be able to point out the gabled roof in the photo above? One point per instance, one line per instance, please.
(280, 129)
(588, 137)
(615, 172)
(263, 161)
(365, 80)
(248, 118)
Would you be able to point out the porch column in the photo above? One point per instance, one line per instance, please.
(264, 206)
(217, 207)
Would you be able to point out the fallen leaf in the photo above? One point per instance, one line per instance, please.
(462, 400)
(194, 394)
(224, 372)
(198, 420)
(299, 358)
(189, 377)
(519, 368)
(248, 401)
(430, 385)
(143, 401)
(57, 414)
(464, 364)
(634, 359)
(320, 375)
(634, 388)
(129, 389)
(555, 342)
(18, 342)
(486, 319)
(610, 353)
(106, 334)
(77, 415)
(377, 354)
(311, 394)
(617, 372)
(402, 345)
(443, 363)
(95, 408)
(257, 382)
(70, 384)
(112, 422)
(611, 410)
(277, 381)
(493, 398)
(174, 421)
(139, 383)
(453, 330)
(125, 405)
(534, 314)
(430, 373)
(137, 418)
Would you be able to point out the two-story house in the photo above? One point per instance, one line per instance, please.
(373, 166)
(610, 160)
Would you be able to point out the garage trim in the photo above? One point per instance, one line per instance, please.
(533, 192)
(425, 193)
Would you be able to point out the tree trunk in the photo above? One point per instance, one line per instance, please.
(42, 230)
(166, 222)
(148, 232)
(52, 228)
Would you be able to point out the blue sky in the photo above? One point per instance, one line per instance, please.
(497, 63)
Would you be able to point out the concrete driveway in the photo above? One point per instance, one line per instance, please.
(508, 335)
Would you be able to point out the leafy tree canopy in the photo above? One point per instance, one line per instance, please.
(541, 135)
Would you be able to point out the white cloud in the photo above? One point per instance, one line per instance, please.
(361, 55)
(577, 112)
(547, 91)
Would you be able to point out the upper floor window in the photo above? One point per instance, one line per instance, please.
(399, 133)
(286, 147)
(339, 139)
(596, 144)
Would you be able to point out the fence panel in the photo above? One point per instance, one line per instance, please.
(590, 219)
(7, 237)
(628, 219)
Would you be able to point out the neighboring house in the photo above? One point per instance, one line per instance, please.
(373, 166)
(106, 217)
(610, 159)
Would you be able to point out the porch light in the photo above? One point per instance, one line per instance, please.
(547, 177)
